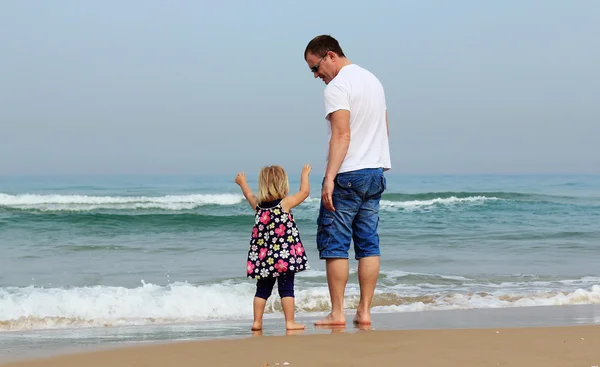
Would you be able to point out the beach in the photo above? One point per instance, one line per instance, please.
(533, 336)
(543, 347)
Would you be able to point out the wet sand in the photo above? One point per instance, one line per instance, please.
(543, 347)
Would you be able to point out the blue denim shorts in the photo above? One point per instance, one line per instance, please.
(356, 197)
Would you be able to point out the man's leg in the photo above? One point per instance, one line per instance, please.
(334, 235)
(337, 277)
(368, 272)
(366, 247)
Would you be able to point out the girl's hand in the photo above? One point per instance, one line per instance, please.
(240, 179)
(306, 169)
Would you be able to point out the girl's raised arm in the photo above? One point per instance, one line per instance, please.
(294, 200)
(240, 179)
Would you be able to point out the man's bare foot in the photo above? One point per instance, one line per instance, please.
(294, 326)
(362, 319)
(330, 320)
(256, 326)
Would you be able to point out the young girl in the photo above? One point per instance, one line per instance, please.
(276, 252)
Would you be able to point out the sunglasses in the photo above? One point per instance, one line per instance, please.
(315, 69)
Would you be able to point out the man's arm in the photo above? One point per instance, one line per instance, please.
(340, 140)
(338, 147)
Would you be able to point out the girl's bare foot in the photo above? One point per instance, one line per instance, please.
(256, 326)
(290, 325)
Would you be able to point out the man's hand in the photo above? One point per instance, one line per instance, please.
(327, 194)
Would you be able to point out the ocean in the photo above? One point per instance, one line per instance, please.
(97, 252)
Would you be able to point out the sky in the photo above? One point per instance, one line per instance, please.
(197, 87)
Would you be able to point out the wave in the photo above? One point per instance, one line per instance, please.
(426, 196)
(226, 202)
(91, 203)
(447, 201)
(146, 222)
(31, 308)
(186, 203)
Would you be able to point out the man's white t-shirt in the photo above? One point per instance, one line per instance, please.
(357, 90)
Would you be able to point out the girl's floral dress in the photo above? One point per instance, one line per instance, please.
(275, 246)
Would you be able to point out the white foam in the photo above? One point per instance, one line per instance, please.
(500, 300)
(421, 204)
(410, 205)
(31, 308)
(101, 305)
(86, 203)
(78, 203)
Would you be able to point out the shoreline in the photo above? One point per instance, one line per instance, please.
(52, 344)
(540, 346)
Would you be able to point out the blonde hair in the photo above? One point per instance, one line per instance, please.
(273, 184)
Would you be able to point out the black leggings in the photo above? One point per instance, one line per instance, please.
(285, 286)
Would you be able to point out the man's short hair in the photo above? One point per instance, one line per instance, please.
(321, 44)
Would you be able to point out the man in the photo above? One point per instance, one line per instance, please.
(356, 113)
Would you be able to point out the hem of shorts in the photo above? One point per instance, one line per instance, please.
(367, 255)
(323, 257)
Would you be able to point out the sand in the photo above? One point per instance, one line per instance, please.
(539, 346)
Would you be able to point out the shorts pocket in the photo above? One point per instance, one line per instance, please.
(382, 185)
(351, 182)
(324, 230)
(377, 187)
